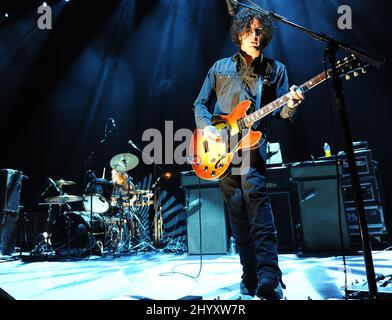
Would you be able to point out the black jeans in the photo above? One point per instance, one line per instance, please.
(251, 216)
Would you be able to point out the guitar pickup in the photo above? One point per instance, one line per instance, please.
(205, 146)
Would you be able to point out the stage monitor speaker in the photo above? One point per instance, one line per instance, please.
(318, 207)
(214, 239)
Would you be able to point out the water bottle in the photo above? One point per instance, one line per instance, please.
(327, 150)
(232, 246)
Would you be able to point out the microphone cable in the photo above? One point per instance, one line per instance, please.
(172, 272)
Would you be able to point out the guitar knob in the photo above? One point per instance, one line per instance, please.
(205, 168)
(364, 70)
(356, 74)
(212, 173)
(347, 77)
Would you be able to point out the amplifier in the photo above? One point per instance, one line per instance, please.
(364, 161)
(278, 178)
(369, 190)
(314, 170)
(189, 180)
(374, 217)
(318, 206)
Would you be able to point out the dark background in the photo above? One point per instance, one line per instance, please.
(142, 62)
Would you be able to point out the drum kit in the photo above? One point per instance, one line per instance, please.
(109, 222)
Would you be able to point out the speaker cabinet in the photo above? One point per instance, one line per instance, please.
(283, 197)
(211, 217)
(10, 188)
(318, 207)
(283, 208)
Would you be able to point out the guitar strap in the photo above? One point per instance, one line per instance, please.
(258, 97)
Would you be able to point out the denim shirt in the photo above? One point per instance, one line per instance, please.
(231, 81)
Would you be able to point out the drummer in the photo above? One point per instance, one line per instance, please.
(122, 186)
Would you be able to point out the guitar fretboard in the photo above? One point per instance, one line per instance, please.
(276, 104)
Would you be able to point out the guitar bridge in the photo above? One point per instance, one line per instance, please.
(241, 124)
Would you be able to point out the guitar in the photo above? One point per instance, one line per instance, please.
(211, 160)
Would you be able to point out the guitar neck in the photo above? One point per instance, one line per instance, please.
(276, 104)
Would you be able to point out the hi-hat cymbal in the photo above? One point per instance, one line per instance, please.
(62, 182)
(123, 162)
(63, 199)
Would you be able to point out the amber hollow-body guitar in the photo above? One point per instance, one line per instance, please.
(212, 160)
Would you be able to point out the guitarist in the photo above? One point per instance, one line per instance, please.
(228, 82)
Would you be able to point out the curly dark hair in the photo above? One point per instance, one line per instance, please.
(243, 19)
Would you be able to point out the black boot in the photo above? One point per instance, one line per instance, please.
(270, 285)
(248, 284)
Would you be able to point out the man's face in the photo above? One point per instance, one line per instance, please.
(251, 37)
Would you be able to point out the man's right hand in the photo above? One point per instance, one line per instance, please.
(210, 132)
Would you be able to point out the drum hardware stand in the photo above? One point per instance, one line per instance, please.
(331, 49)
(89, 164)
(22, 225)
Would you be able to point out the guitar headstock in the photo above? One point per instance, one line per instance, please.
(350, 66)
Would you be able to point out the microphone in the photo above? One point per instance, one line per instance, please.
(232, 7)
(133, 145)
(193, 207)
(309, 195)
(113, 124)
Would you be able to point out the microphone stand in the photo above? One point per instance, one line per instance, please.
(331, 49)
(89, 166)
(155, 185)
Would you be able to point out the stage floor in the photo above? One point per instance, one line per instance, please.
(171, 276)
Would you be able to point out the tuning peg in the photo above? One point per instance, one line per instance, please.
(345, 59)
(364, 70)
(338, 62)
(347, 77)
(356, 74)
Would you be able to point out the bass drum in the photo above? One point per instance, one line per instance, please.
(73, 235)
(98, 196)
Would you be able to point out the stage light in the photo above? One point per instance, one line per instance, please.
(44, 4)
(6, 15)
(168, 175)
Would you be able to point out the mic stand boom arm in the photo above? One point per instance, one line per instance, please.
(331, 49)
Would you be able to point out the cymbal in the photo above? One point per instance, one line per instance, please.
(144, 203)
(123, 162)
(62, 182)
(63, 199)
(140, 191)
